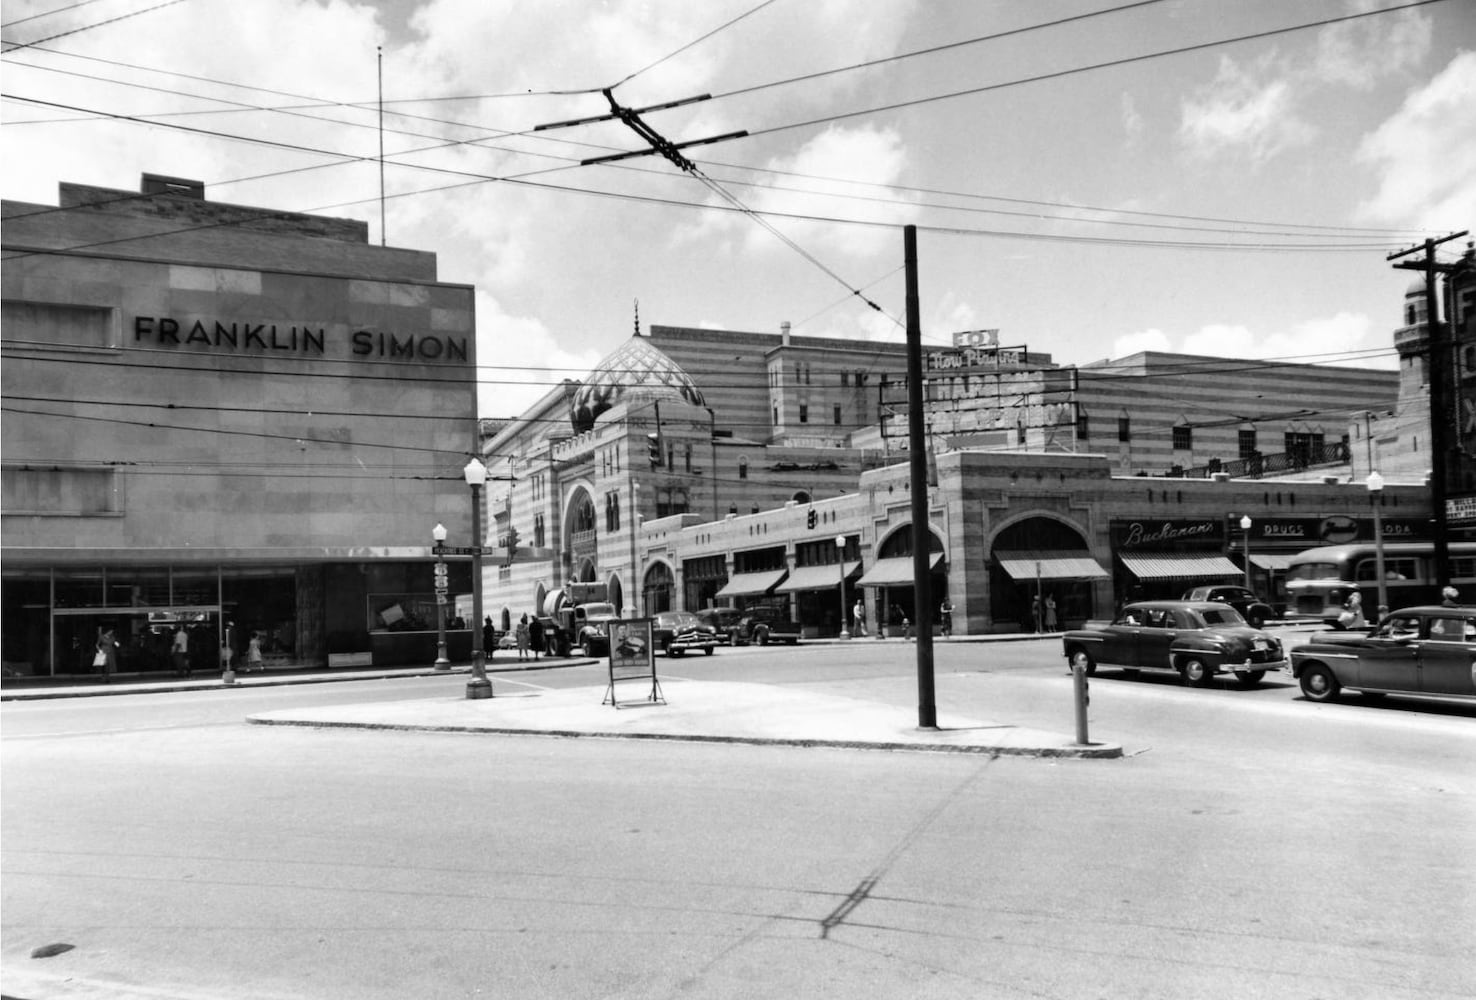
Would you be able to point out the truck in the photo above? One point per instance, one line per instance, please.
(577, 614)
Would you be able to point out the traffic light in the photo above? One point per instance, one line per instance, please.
(512, 544)
(810, 519)
(653, 449)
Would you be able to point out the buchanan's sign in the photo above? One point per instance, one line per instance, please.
(307, 341)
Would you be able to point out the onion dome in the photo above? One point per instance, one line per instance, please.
(636, 371)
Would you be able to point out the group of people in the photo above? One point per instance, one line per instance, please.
(527, 634)
(1043, 613)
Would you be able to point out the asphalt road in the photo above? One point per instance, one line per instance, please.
(1249, 845)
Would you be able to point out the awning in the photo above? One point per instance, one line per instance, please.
(816, 578)
(890, 572)
(1179, 566)
(1024, 567)
(1271, 561)
(751, 584)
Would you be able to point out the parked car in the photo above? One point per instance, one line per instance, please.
(1196, 638)
(1426, 650)
(1254, 610)
(762, 627)
(676, 632)
(724, 623)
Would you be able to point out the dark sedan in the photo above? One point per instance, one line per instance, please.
(676, 632)
(1424, 651)
(1254, 610)
(1198, 639)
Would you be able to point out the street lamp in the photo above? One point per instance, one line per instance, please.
(1376, 500)
(840, 552)
(439, 534)
(479, 686)
(1245, 526)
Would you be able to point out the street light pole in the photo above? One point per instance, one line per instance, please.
(840, 551)
(1245, 526)
(442, 663)
(1376, 500)
(479, 686)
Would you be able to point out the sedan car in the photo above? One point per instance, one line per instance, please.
(676, 632)
(1254, 610)
(1198, 639)
(1423, 650)
(724, 623)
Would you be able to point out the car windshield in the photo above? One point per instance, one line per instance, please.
(1222, 616)
(679, 620)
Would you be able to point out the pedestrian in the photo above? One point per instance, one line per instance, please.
(253, 653)
(1352, 615)
(1449, 596)
(535, 636)
(858, 618)
(1035, 611)
(945, 617)
(105, 659)
(489, 636)
(522, 635)
(181, 653)
(1050, 613)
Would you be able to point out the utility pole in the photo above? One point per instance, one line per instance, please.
(1441, 417)
(917, 463)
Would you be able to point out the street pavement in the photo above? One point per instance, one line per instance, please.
(683, 710)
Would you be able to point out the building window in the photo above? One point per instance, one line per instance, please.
(837, 414)
(804, 416)
(1124, 429)
(539, 538)
(1083, 427)
(1183, 438)
(845, 378)
(1247, 443)
(742, 468)
(687, 456)
(776, 416)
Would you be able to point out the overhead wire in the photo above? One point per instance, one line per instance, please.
(14, 46)
(696, 41)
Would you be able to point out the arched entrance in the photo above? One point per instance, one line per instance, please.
(581, 537)
(1044, 559)
(891, 593)
(656, 589)
(615, 594)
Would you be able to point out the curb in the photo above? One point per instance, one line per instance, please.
(1095, 751)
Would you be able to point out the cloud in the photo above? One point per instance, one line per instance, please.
(1239, 112)
(1425, 154)
(1358, 53)
(1343, 339)
(519, 360)
(1132, 119)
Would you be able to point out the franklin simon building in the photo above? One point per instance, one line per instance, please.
(233, 421)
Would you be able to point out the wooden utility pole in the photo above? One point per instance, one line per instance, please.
(917, 462)
(1441, 415)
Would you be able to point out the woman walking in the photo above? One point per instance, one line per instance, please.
(522, 635)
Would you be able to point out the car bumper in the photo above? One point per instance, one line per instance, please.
(1270, 666)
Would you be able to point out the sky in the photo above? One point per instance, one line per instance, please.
(1092, 178)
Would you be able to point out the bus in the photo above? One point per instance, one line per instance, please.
(1319, 580)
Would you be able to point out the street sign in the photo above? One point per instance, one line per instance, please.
(459, 550)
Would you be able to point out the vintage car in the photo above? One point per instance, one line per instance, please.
(1428, 650)
(724, 623)
(1254, 610)
(761, 627)
(1198, 639)
(676, 632)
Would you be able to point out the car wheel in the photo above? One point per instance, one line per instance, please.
(1196, 672)
(1081, 658)
(1250, 678)
(794, 641)
(1256, 620)
(761, 636)
(1319, 683)
(706, 650)
(732, 638)
(666, 648)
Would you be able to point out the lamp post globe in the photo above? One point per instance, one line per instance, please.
(840, 552)
(1375, 483)
(479, 686)
(438, 533)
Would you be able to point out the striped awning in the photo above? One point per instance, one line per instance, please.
(1179, 566)
(1027, 566)
(752, 584)
(816, 578)
(891, 572)
(1271, 560)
